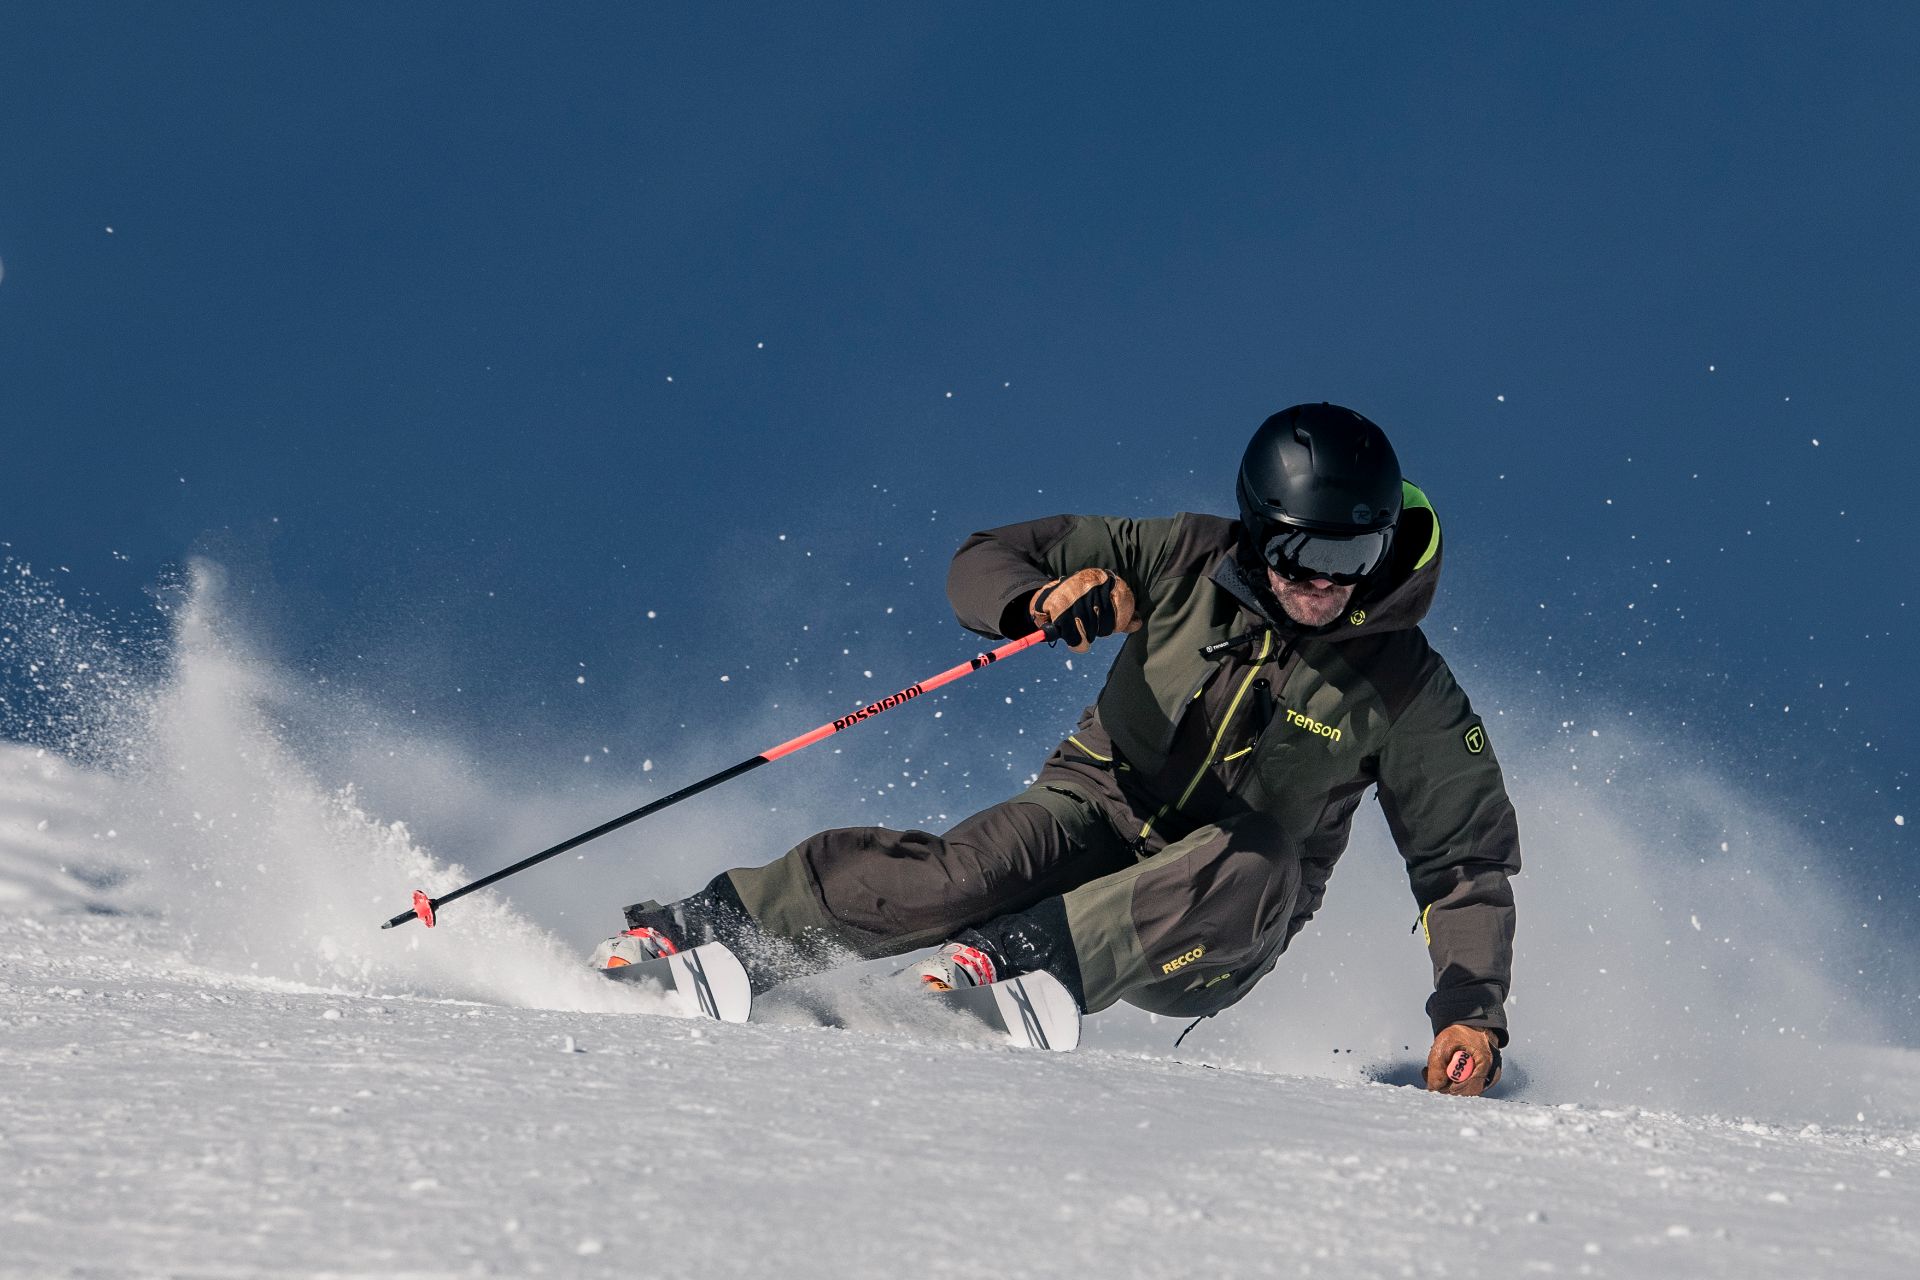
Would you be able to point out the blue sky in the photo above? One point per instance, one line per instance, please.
(491, 346)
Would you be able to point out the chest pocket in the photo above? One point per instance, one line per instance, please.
(1317, 739)
(1259, 713)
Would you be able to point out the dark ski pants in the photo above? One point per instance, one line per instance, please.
(1184, 930)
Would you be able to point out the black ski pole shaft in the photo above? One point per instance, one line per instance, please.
(424, 908)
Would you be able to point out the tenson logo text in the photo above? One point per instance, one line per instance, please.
(1327, 731)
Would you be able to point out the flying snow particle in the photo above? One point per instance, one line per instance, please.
(646, 766)
(1501, 399)
(579, 679)
(1816, 442)
(652, 614)
(1899, 819)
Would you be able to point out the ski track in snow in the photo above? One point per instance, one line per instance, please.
(214, 1063)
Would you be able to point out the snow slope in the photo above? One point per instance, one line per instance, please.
(170, 1120)
(212, 1061)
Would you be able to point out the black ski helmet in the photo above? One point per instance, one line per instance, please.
(1321, 475)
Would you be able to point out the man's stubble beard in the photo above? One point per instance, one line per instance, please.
(1306, 605)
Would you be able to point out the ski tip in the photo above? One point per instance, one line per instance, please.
(423, 907)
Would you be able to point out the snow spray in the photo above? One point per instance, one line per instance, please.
(205, 815)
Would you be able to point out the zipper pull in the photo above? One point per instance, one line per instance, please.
(1220, 648)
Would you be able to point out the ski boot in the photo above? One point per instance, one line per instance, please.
(955, 965)
(635, 946)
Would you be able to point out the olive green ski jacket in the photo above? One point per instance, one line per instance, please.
(1221, 705)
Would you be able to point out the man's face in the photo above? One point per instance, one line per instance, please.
(1314, 603)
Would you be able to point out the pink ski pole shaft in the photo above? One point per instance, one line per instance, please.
(424, 907)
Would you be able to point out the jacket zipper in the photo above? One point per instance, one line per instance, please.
(1219, 735)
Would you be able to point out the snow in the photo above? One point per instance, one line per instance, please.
(214, 1062)
(166, 1118)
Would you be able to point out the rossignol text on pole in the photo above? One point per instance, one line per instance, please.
(424, 907)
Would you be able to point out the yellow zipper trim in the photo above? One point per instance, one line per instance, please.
(1424, 931)
(1236, 755)
(1089, 750)
(1226, 722)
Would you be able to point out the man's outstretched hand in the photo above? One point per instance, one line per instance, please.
(1463, 1060)
(1090, 604)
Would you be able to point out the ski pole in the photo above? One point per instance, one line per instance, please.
(423, 907)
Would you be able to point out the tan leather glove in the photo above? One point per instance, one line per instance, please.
(1089, 604)
(1463, 1060)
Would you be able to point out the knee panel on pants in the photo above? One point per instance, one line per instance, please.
(1213, 920)
(1207, 913)
(1229, 893)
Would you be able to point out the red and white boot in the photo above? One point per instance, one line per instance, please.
(632, 947)
(955, 965)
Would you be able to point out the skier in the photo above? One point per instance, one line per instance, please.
(1173, 845)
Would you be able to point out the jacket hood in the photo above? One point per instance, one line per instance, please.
(1394, 599)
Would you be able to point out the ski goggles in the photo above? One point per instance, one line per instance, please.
(1301, 554)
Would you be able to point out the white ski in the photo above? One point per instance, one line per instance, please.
(1033, 1011)
(707, 981)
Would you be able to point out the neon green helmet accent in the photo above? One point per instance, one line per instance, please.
(1411, 498)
